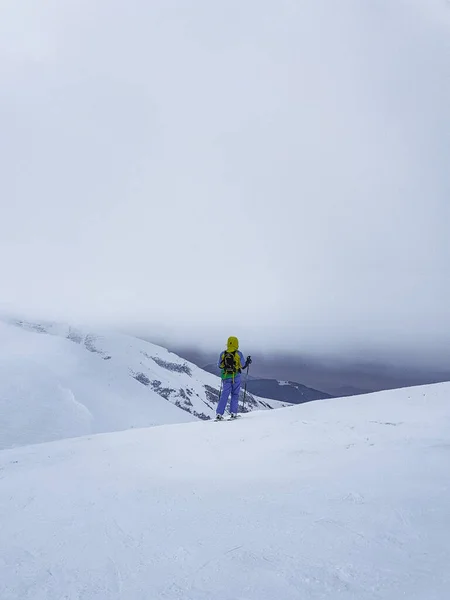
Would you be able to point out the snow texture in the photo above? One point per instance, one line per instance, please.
(57, 381)
(338, 499)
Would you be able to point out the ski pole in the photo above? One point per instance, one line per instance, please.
(245, 389)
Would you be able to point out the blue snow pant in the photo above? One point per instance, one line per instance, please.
(233, 387)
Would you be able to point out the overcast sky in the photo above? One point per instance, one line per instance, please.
(277, 170)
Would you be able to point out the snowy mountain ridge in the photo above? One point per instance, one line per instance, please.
(332, 500)
(290, 392)
(59, 381)
(285, 391)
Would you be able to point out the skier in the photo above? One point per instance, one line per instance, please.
(231, 362)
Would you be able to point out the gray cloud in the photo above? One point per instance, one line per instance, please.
(278, 170)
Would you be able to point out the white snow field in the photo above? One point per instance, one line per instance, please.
(58, 381)
(337, 499)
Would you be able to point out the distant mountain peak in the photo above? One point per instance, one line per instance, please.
(281, 390)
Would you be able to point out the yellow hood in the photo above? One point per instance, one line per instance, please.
(232, 344)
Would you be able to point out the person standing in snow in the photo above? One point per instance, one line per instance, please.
(231, 363)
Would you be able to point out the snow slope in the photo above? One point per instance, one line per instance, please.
(327, 500)
(58, 381)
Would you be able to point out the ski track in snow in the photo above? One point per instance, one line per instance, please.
(324, 500)
(81, 408)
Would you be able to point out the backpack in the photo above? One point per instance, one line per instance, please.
(231, 363)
